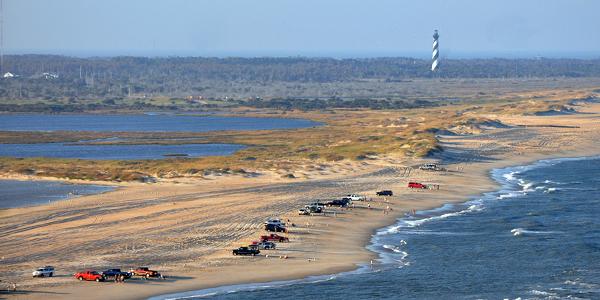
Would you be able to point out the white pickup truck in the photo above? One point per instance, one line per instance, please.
(355, 197)
(43, 272)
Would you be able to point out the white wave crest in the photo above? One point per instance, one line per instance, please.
(510, 176)
(401, 254)
(508, 195)
(412, 223)
(541, 293)
(525, 185)
(393, 248)
(522, 231)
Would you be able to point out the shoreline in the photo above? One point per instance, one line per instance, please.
(337, 243)
(363, 267)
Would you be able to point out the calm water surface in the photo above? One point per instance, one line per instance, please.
(144, 122)
(536, 238)
(119, 152)
(15, 193)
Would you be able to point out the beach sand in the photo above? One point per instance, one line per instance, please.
(187, 228)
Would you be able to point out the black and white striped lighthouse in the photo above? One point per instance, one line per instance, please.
(436, 52)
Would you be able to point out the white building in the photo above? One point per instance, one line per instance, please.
(8, 75)
(50, 75)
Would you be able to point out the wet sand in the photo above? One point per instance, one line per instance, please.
(187, 228)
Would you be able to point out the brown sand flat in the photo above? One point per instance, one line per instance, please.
(187, 229)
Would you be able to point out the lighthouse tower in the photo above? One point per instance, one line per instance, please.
(436, 52)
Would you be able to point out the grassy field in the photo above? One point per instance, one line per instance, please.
(346, 134)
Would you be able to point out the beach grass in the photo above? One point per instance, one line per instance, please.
(346, 134)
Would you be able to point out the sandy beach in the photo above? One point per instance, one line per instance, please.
(186, 228)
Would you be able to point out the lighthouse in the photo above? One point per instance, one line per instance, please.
(436, 52)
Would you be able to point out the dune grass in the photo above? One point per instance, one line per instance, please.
(346, 135)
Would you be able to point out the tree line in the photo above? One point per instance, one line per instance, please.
(102, 77)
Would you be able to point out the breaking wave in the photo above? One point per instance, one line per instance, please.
(522, 231)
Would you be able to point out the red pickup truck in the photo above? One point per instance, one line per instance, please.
(274, 237)
(89, 276)
(416, 185)
(144, 272)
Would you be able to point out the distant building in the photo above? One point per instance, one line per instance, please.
(47, 75)
(191, 98)
(196, 99)
(8, 75)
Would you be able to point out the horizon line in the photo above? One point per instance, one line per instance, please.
(84, 54)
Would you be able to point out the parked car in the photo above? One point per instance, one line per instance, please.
(355, 197)
(385, 193)
(277, 222)
(431, 167)
(416, 185)
(47, 271)
(303, 212)
(274, 237)
(144, 272)
(245, 251)
(265, 245)
(275, 228)
(321, 204)
(339, 202)
(115, 272)
(314, 209)
(89, 276)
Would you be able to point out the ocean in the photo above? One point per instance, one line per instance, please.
(537, 237)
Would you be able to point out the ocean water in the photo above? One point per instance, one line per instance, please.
(15, 193)
(118, 152)
(538, 237)
(143, 122)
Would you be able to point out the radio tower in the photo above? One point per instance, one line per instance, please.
(436, 52)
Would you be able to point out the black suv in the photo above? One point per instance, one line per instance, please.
(339, 202)
(274, 228)
(115, 272)
(385, 193)
(246, 251)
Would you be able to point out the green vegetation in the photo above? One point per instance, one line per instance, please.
(349, 134)
(84, 84)
(371, 107)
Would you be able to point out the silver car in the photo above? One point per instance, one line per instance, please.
(46, 271)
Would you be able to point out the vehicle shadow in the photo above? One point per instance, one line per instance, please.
(166, 278)
(176, 278)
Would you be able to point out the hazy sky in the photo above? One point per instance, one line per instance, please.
(339, 28)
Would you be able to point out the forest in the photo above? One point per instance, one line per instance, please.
(61, 82)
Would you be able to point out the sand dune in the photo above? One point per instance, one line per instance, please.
(187, 228)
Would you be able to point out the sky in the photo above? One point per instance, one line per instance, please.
(335, 28)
